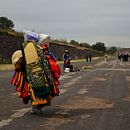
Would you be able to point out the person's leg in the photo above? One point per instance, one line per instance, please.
(36, 109)
(64, 66)
(33, 109)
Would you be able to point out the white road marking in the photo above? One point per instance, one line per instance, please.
(68, 84)
(14, 94)
(76, 79)
(5, 122)
(62, 91)
(85, 116)
(65, 77)
(113, 69)
(19, 113)
(73, 81)
(83, 91)
(63, 112)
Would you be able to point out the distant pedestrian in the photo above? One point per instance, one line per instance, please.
(86, 57)
(66, 58)
(119, 56)
(90, 58)
(125, 57)
(106, 57)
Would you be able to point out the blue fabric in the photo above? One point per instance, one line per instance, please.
(32, 36)
(52, 56)
(66, 57)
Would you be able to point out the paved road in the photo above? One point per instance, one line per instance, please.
(94, 99)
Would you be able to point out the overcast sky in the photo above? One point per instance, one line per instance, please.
(88, 21)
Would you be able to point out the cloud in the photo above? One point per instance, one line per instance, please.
(82, 20)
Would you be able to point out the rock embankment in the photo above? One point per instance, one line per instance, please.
(10, 43)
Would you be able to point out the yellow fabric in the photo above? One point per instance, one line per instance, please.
(37, 101)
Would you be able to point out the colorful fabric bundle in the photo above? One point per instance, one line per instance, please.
(37, 75)
(22, 87)
(55, 71)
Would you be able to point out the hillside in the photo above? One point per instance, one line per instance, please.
(75, 52)
(11, 41)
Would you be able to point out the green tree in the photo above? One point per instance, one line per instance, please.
(6, 23)
(73, 42)
(85, 45)
(99, 46)
(112, 50)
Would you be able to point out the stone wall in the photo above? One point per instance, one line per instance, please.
(8, 45)
(11, 43)
(75, 52)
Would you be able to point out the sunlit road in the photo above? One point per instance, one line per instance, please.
(92, 99)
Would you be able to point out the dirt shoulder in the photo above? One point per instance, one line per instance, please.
(4, 67)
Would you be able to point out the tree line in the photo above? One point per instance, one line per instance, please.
(8, 24)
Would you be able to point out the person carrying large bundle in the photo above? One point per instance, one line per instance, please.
(36, 71)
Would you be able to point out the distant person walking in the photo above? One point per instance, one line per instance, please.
(120, 56)
(90, 58)
(86, 57)
(106, 57)
(125, 57)
(66, 58)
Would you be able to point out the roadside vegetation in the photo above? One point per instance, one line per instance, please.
(11, 40)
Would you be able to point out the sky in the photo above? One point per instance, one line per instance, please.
(89, 21)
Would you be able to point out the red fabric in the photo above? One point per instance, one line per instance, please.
(55, 71)
(22, 87)
(44, 46)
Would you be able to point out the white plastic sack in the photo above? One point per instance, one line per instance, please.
(67, 70)
(43, 38)
(30, 36)
(36, 37)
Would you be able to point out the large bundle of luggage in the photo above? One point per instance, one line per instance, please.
(36, 76)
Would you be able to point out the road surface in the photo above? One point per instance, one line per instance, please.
(97, 98)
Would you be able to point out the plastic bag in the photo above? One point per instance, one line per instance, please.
(30, 36)
(43, 38)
